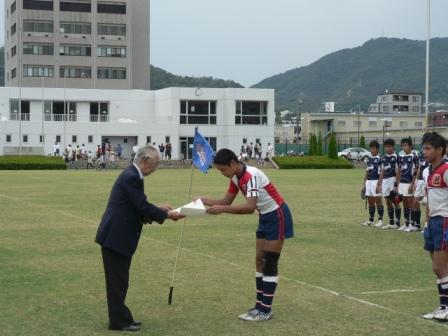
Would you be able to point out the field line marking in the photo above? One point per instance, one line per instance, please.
(303, 283)
(390, 291)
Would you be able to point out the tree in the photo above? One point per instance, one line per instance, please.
(319, 151)
(311, 146)
(333, 147)
(362, 142)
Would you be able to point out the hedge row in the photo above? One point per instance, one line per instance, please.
(311, 162)
(31, 163)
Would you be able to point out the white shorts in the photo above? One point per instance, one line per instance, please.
(371, 188)
(403, 189)
(388, 186)
(419, 188)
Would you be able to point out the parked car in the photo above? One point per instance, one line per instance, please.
(355, 153)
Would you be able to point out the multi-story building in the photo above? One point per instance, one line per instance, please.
(398, 102)
(97, 44)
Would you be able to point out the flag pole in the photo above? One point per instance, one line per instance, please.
(170, 295)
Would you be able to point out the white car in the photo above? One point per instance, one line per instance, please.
(355, 153)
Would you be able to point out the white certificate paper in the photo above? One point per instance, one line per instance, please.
(193, 209)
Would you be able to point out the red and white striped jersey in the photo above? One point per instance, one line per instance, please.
(254, 183)
(437, 190)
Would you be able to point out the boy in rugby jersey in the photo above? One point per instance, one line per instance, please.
(387, 182)
(275, 224)
(370, 184)
(419, 193)
(436, 232)
(408, 164)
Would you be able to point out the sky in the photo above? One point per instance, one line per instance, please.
(249, 40)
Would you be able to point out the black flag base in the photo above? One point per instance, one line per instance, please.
(170, 296)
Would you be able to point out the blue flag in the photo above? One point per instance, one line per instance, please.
(202, 153)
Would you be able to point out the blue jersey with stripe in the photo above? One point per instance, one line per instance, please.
(389, 165)
(408, 164)
(373, 168)
(422, 163)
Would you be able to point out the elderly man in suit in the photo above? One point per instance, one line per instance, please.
(119, 232)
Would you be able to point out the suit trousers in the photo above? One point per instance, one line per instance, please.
(116, 270)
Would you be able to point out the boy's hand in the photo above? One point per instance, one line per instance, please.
(378, 188)
(411, 188)
(216, 209)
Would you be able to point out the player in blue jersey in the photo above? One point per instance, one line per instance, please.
(370, 186)
(388, 182)
(408, 164)
(419, 194)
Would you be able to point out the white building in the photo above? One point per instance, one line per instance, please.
(228, 117)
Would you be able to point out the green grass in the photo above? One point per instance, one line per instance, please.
(25, 162)
(311, 162)
(52, 281)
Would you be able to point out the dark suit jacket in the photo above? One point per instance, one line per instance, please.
(121, 223)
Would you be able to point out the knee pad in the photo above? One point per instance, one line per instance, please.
(270, 263)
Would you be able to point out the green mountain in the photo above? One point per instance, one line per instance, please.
(355, 76)
(161, 79)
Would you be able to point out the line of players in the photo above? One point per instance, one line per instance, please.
(399, 179)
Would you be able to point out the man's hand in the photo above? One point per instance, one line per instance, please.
(166, 207)
(174, 215)
(216, 209)
(411, 188)
(378, 188)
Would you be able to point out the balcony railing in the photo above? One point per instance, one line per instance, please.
(17, 117)
(99, 118)
(61, 117)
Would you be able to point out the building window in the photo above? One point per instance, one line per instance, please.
(74, 72)
(403, 124)
(167, 139)
(111, 8)
(125, 140)
(102, 51)
(197, 112)
(418, 124)
(75, 28)
(72, 6)
(75, 50)
(25, 138)
(58, 138)
(38, 4)
(341, 123)
(13, 7)
(148, 140)
(414, 99)
(74, 138)
(113, 30)
(41, 138)
(13, 73)
(37, 71)
(373, 123)
(38, 26)
(244, 141)
(357, 123)
(99, 112)
(90, 139)
(111, 73)
(15, 114)
(401, 108)
(13, 29)
(401, 98)
(8, 138)
(415, 109)
(386, 108)
(38, 49)
(251, 112)
(13, 51)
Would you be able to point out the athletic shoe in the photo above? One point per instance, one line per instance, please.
(259, 317)
(379, 223)
(390, 227)
(251, 312)
(411, 228)
(435, 313)
(402, 228)
(442, 314)
(368, 223)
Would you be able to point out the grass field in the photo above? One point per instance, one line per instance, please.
(338, 278)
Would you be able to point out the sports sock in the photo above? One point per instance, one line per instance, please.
(390, 212)
(380, 209)
(371, 213)
(418, 216)
(442, 286)
(397, 214)
(269, 287)
(259, 284)
(406, 212)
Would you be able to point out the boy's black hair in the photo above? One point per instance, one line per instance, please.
(406, 141)
(435, 140)
(225, 157)
(375, 144)
(389, 142)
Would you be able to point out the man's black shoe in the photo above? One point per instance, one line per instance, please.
(136, 323)
(131, 327)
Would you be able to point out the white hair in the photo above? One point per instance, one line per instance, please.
(146, 152)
